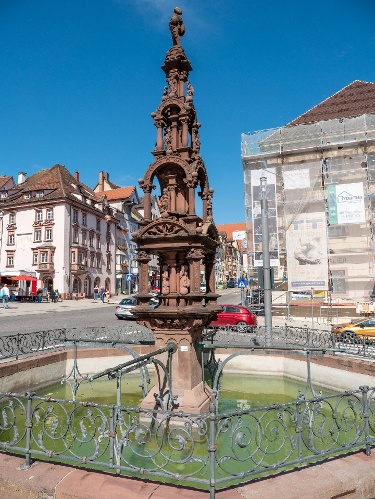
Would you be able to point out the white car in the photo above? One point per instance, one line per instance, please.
(124, 308)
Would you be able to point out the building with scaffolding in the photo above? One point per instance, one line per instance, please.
(320, 172)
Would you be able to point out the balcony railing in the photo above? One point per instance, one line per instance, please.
(78, 267)
(46, 267)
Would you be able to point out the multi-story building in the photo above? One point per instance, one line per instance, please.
(57, 229)
(122, 201)
(318, 175)
(231, 257)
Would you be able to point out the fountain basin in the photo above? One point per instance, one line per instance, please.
(42, 370)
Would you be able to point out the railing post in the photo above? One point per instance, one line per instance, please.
(212, 446)
(28, 424)
(364, 390)
(308, 336)
(299, 427)
(18, 345)
(112, 434)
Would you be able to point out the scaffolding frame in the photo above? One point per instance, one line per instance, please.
(341, 152)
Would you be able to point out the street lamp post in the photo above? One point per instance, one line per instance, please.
(266, 263)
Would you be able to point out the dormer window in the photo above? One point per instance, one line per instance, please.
(4, 194)
(27, 195)
(40, 194)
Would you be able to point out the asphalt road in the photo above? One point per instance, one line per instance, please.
(99, 315)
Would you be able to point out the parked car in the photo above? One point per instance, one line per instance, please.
(356, 329)
(231, 283)
(236, 317)
(203, 287)
(124, 308)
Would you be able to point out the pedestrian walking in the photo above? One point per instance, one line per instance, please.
(107, 295)
(102, 294)
(4, 295)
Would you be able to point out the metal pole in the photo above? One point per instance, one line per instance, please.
(266, 263)
(243, 290)
(312, 308)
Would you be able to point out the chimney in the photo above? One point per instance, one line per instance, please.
(76, 175)
(102, 177)
(21, 178)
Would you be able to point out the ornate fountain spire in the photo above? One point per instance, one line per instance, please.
(183, 241)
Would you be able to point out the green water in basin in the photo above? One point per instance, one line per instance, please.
(236, 392)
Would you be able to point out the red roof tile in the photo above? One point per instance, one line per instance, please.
(230, 228)
(57, 180)
(121, 193)
(3, 180)
(353, 100)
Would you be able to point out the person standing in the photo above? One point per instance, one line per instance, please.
(102, 294)
(107, 295)
(96, 292)
(4, 295)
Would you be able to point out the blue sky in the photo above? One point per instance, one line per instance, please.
(80, 78)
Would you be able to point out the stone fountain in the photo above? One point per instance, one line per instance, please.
(184, 243)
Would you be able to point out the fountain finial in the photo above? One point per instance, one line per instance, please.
(177, 26)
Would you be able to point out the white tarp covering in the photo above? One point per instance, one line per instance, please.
(306, 245)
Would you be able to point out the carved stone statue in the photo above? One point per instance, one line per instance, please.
(165, 281)
(168, 140)
(165, 94)
(176, 26)
(190, 92)
(164, 201)
(184, 280)
(172, 86)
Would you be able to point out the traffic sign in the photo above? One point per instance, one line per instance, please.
(129, 277)
(242, 283)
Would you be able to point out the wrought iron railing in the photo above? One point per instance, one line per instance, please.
(292, 336)
(15, 346)
(207, 451)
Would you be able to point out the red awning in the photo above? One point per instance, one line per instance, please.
(23, 278)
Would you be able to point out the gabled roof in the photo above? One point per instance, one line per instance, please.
(117, 194)
(58, 181)
(3, 180)
(353, 100)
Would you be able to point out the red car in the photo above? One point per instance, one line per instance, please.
(236, 317)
